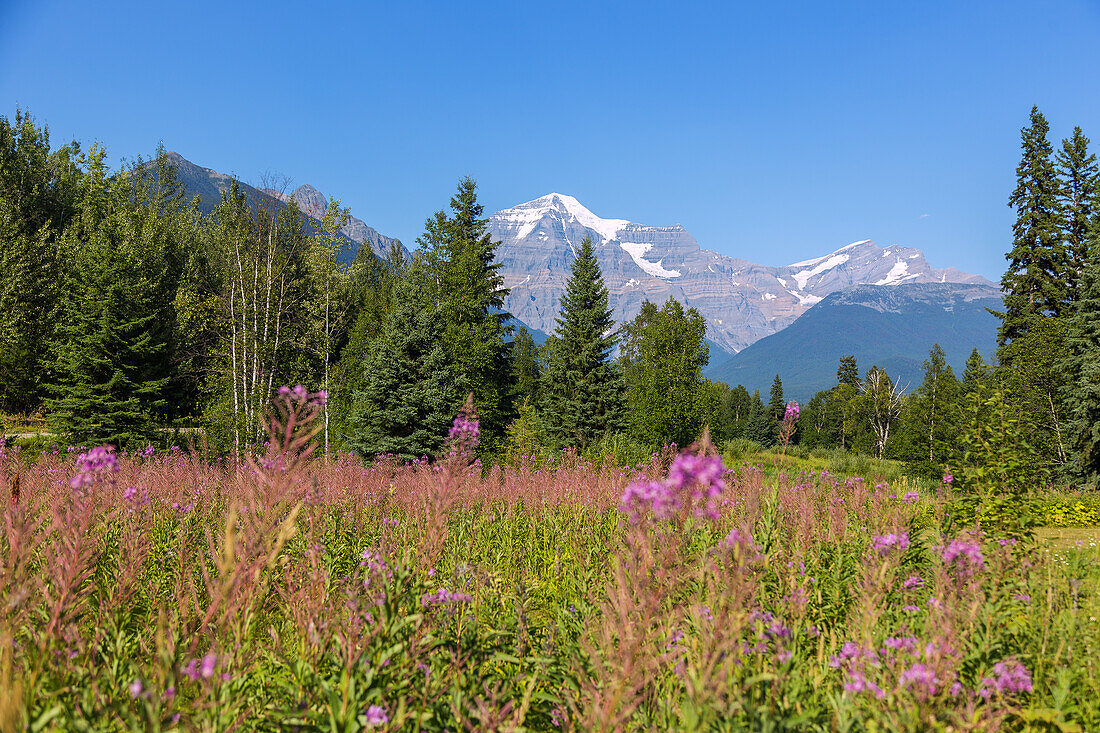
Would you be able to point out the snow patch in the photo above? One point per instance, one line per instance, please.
(805, 298)
(815, 260)
(637, 250)
(899, 272)
(768, 296)
(834, 260)
(632, 282)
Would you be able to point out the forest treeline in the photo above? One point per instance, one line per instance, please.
(125, 312)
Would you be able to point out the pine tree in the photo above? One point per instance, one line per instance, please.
(1078, 200)
(116, 313)
(37, 194)
(759, 425)
(776, 402)
(848, 371)
(525, 367)
(976, 374)
(1035, 282)
(1082, 397)
(467, 284)
(582, 389)
(410, 390)
(932, 417)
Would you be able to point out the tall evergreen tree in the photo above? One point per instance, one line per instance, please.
(1035, 282)
(582, 389)
(976, 374)
(848, 371)
(1078, 200)
(37, 195)
(777, 403)
(470, 290)
(410, 389)
(759, 425)
(525, 367)
(932, 417)
(116, 313)
(1082, 396)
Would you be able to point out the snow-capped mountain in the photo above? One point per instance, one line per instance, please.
(741, 301)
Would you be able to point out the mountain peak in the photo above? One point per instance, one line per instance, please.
(528, 214)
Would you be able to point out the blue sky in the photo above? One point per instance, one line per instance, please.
(771, 131)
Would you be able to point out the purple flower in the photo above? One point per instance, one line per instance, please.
(921, 678)
(948, 478)
(791, 413)
(443, 597)
(901, 644)
(94, 463)
(693, 480)
(209, 663)
(913, 581)
(910, 497)
(964, 557)
(1009, 677)
(136, 688)
(857, 682)
(887, 542)
(376, 715)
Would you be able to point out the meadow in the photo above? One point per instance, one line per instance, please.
(167, 591)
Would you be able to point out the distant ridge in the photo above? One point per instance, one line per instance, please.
(208, 184)
(893, 326)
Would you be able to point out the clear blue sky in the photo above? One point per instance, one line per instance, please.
(771, 131)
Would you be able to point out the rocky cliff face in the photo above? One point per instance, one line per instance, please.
(742, 301)
(208, 185)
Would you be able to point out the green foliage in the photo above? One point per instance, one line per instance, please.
(465, 281)
(1079, 203)
(525, 367)
(410, 388)
(931, 418)
(115, 312)
(998, 469)
(663, 356)
(1081, 368)
(760, 424)
(1034, 283)
(581, 393)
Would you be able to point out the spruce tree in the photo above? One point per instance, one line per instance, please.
(848, 371)
(582, 389)
(976, 374)
(1082, 398)
(776, 402)
(116, 313)
(525, 367)
(932, 417)
(467, 284)
(1035, 282)
(759, 425)
(1077, 198)
(410, 391)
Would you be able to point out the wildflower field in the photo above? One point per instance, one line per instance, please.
(162, 591)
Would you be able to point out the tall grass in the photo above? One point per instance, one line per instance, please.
(166, 592)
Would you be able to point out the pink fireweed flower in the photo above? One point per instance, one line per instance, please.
(921, 679)
(376, 716)
(694, 481)
(913, 581)
(948, 478)
(1009, 678)
(910, 497)
(964, 558)
(93, 464)
(444, 597)
(791, 413)
(887, 542)
(136, 688)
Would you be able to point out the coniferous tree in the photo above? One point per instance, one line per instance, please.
(663, 355)
(776, 402)
(37, 195)
(1082, 396)
(409, 394)
(759, 425)
(582, 389)
(470, 290)
(848, 371)
(1035, 282)
(116, 313)
(976, 374)
(1077, 198)
(931, 418)
(525, 367)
